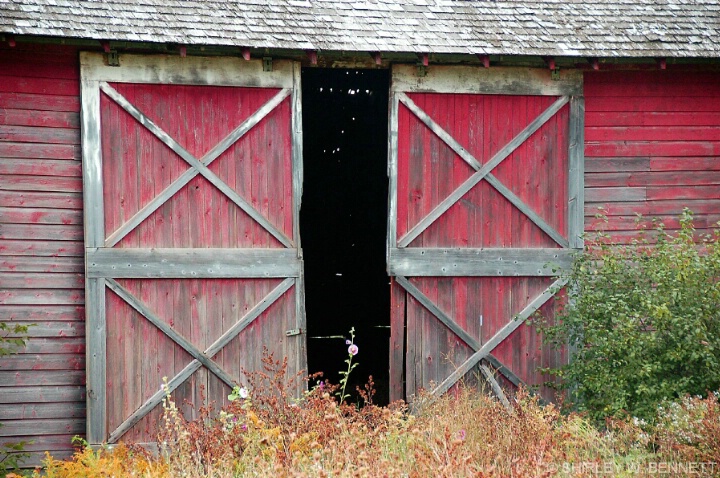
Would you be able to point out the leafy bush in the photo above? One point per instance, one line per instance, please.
(642, 322)
(462, 434)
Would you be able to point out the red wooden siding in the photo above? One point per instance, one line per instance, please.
(42, 389)
(652, 146)
(428, 172)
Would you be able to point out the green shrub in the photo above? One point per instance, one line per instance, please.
(642, 322)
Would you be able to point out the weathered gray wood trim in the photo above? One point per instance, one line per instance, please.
(96, 360)
(92, 164)
(195, 163)
(484, 171)
(489, 81)
(471, 262)
(94, 226)
(300, 346)
(576, 173)
(216, 346)
(297, 154)
(191, 70)
(145, 212)
(499, 336)
(392, 172)
(192, 263)
(174, 335)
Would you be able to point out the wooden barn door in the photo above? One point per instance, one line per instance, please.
(192, 174)
(486, 182)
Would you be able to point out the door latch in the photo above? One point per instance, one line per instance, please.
(293, 332)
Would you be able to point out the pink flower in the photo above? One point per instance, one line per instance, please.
(347, 342)
(353, 349)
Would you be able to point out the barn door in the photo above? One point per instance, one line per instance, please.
(486, 182)
(193, 262)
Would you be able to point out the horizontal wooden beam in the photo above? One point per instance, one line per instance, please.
(216, 71)
(192, 263)
(436, 262)
(487, 81)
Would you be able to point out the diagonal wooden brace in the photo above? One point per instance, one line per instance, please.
(173, 334)
(193, 366)
(501, 335)
(456, 329)
(482, 171)
(198, 166)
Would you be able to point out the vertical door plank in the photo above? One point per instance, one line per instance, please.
(94, 236)
(397, 340)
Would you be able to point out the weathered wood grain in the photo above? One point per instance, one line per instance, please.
(34, 117)
(50, 329)
(30, 150)
(44, 167)
(606, 165)
(42, 297)
(33, 427)
(15, 247)
(41, 264)
(43, 410)
(652, 118)
(188, 346)
(18, 395)
(38, 134)
(653, 103)
(615, 194)
(576, 173)
(15, 182)
(41, 280)
(192, 263)
(40, 102)
(23, 361)
(38, 378)
(470, 262)
(32, 215)
(41, 232)
(71, 200)
(652, 178)
(165, 69)
(489, 81)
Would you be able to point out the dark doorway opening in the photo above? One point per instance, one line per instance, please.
(343, 222)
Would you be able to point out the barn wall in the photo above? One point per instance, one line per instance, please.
(42, 389)
(652, 146)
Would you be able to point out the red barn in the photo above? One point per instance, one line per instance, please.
(161, 162)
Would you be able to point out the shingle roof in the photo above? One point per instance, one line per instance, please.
(601, 28)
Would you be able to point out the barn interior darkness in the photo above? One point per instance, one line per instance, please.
(343, 221)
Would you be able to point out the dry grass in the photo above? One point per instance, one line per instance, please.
(461, 435)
